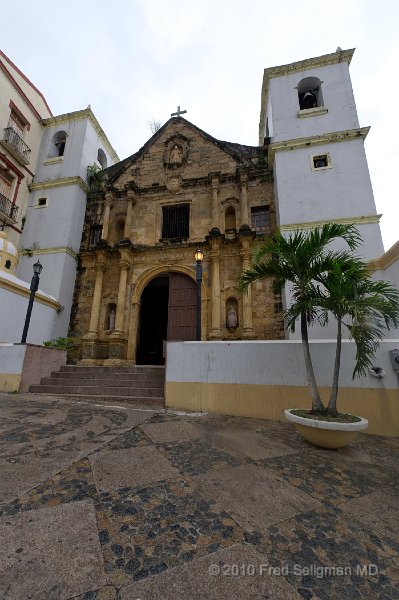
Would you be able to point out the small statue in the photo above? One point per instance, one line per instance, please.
(112, 316)
(232, 320)
(175, 155)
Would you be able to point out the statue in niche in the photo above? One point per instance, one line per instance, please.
(176, 155)
(111, 319)
(232, 321)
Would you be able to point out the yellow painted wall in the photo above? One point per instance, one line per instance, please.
(380, 406)
(9, 382)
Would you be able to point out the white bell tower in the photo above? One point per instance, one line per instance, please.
(309, 118)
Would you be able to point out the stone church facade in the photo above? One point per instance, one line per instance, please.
(136, 286)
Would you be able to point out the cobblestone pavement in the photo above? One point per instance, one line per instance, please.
(127, 503)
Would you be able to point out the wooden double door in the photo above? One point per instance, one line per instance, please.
(167, 312)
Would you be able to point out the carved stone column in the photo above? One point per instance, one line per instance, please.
(247, 329)
(244, 198)
(215, 201)
(215, 332)
(107, 212)
(118, 338)
(133, 329)
(131, 201)
(120, 307)
(96, 302)
(89, 340)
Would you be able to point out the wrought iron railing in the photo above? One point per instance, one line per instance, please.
(7, 208)
(12, 137)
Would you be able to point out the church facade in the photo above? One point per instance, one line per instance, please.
(184, 190)
(136, 289)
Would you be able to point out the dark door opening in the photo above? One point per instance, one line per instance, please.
(167, 312)
(153, 322)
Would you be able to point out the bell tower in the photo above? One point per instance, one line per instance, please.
(315, 145)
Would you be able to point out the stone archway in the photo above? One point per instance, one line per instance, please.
(163, 308)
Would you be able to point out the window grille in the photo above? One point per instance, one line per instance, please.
(175, 221)
(95, 235)
(260, 218)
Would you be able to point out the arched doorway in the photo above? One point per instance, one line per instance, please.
(167, 312)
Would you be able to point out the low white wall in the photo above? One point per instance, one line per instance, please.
(262, 379)
(271, 363)
(11, 365)
(23, 365)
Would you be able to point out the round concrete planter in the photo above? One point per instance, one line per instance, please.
(326, 434)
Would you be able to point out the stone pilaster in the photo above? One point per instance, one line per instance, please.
(215, 332)
(107, 212)
(132, 341)
(215, 201)
(96, 302)
(245, 253)
(244, 198)
(89, 341)
(131, 201)
(120, 307)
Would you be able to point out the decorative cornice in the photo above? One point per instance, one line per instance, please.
(360, 220)
(79, 115)
(386, 260)
(15, 288)
(40, 185)
(302, 65)
(317, 140)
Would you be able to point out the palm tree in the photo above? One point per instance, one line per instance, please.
(364, 306)
(300, 259)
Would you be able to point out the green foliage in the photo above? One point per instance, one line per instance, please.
(60, 343)
(29, 251)
(325, 282)
(94, 176)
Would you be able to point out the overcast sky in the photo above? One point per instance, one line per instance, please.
(136, 60)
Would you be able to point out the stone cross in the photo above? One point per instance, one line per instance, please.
(178, 113)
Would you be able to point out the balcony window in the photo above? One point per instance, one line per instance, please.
(8, 210)
(13, 138)
(175, 221)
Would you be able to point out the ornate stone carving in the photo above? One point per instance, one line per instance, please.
(173, 183)
(176, 155)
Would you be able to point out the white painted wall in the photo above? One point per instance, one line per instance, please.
(12, 358)
(56, 279)
(271, 363)
(390, 274)
(337, 98)
(12, 319)
(60, 223)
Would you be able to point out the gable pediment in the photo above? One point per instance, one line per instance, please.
(180, 151)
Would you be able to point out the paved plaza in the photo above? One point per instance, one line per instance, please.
(124, 502)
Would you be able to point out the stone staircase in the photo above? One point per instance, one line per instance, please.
(137, 385)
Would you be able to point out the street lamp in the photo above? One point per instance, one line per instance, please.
(34, 286)
(199, 257)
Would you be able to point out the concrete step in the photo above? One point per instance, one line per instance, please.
(140, 402)
(104, 382)
(105, 375)
(116, 369)
(144, 392)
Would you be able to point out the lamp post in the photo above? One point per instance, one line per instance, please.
(199, 257)
(34, 285)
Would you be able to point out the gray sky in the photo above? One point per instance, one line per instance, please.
(138, 59)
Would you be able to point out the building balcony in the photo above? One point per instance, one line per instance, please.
(16, 146)
(8, 211)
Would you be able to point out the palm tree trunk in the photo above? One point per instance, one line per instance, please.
(317, 404)
(332, 405)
